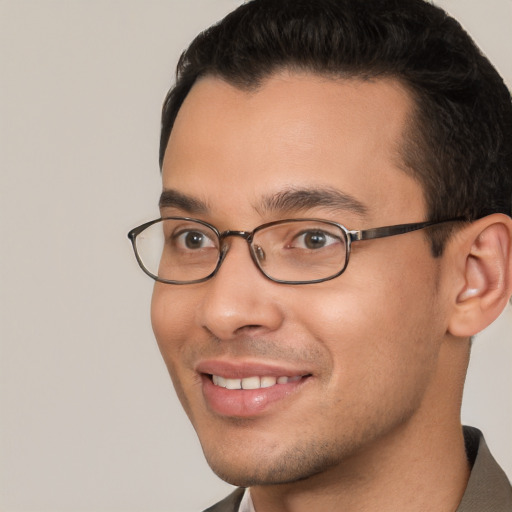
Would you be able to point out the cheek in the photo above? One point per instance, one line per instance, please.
(169, 316)
(171, 324)
(383, 332)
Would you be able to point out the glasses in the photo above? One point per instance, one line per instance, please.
(181, 250)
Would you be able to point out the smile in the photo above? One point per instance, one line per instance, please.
(245, 397)
(252, 382)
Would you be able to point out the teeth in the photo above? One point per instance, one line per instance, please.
(252, 382)
(267, 382)
(233, 384)
(219, 381)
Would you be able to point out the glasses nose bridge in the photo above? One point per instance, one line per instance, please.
(246, 235)
(224, 247)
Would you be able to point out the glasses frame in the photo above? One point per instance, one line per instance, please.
(350, 237)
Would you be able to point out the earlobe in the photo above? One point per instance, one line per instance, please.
(486, 275)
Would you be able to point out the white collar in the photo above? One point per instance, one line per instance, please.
(246, 504)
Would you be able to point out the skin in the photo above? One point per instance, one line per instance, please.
(376, 425)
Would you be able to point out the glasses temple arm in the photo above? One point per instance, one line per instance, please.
(399, 229)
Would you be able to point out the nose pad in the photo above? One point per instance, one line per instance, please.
(259, 253)
(223, 252)
(256, 251)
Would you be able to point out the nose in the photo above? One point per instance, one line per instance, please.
(239, 299)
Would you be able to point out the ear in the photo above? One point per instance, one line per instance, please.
(483, 252)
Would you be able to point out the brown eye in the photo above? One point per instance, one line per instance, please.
(193, 240)
(313, 240)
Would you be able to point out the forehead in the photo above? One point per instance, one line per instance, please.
(293, 131)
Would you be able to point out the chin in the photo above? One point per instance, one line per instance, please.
(295, 464)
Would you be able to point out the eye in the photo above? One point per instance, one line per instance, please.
(193, 240)
(314, 239)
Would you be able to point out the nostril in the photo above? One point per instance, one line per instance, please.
(249, 330)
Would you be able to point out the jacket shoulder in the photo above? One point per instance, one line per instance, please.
(229, 504)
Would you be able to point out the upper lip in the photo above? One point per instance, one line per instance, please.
(238, 369)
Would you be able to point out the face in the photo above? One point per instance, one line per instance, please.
(337, 366)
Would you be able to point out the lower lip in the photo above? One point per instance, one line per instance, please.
(244, 403)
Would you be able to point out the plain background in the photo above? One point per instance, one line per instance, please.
(89, 421)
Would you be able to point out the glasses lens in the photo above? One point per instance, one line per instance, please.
(178, 250)
(301, 251)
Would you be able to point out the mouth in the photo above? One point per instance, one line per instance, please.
(247, 390)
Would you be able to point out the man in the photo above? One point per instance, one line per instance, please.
(301, 135)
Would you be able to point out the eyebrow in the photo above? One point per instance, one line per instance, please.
(284, 201)
(171, 198)
(297, 199)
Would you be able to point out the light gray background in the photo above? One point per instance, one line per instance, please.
(89, 421)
